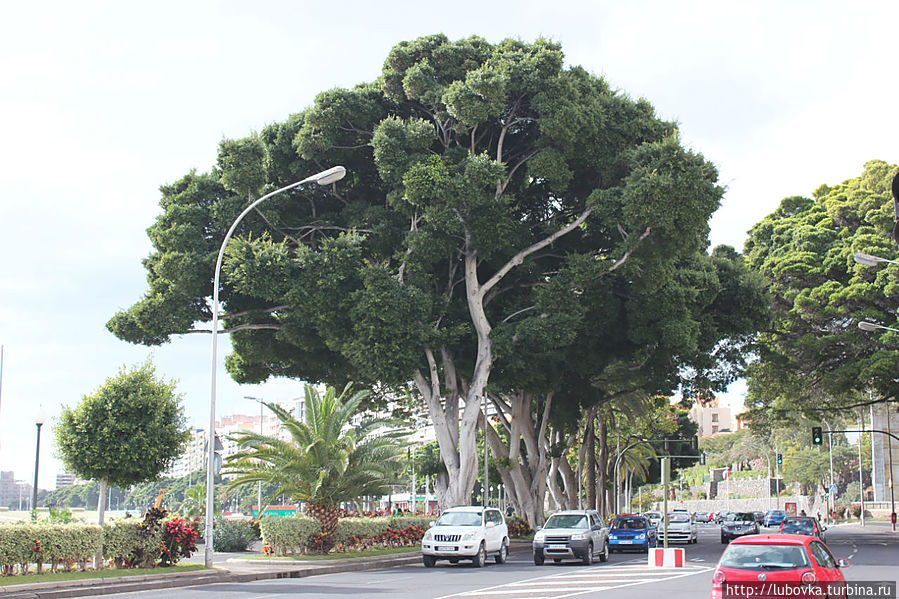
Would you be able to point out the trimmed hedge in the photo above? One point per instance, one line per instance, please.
(124, 543)
(287, 534)
(66, 544)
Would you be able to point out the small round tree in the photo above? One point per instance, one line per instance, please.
(128, 431)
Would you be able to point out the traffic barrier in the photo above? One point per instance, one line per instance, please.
(673, 557)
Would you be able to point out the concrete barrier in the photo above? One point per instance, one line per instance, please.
(673, 557)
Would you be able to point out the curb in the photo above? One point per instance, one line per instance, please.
(90, 587)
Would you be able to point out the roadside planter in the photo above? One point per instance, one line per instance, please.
(659, 557)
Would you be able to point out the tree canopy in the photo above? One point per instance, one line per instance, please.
(505, 220)
(815, 357)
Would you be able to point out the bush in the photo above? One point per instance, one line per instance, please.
(406, 521)
(855, 510)
(287, 534)
(66, 544)
(179, 539)
(232, 535)
(518, 527)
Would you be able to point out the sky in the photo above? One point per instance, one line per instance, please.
(103, 102)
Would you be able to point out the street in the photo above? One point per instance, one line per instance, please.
(873, 551)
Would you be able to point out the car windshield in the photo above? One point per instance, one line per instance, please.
(566, 521)
(764, 557)
(459, 519)
(800, 526)
(678, 517)
(630, 523)
(653, 515)
(741, 517)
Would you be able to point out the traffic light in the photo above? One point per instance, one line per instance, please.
(817, 435)
(780, 458)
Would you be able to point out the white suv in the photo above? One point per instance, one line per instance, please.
(468, 532)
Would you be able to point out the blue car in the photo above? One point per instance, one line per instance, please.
(632, 533)
(774, 517)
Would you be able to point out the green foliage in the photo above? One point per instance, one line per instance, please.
(815, 357)
(127, 543)
(288, 534)
(130, 430)
(328, 459)
(232, 535)
(22, 544)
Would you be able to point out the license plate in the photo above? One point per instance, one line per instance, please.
(626, 542)
(446, 548)
(557, 547)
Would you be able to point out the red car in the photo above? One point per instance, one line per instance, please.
(768, 566)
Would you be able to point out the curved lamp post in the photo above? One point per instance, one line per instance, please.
(326, 177)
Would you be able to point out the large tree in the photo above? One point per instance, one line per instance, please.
(815, 358)
(495, 199)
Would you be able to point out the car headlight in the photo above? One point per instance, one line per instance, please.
(468, 536)
(642, 535)
(539, 536)
(613, 537)
(577, 537)
(427, 536)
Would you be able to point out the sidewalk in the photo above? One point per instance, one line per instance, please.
(228, 568)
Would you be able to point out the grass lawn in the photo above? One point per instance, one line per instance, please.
(303, 557)
(28, 578)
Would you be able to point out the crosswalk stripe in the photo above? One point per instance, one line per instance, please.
(569, 584)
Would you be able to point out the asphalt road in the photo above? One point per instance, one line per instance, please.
(873, 551)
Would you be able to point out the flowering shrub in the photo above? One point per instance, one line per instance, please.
(321, 542)
(518, 527)
(179, 540)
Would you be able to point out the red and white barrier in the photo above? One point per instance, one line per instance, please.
(673, 557)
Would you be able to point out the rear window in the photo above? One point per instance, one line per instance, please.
(764, 557)
(678, 517)
(630, 523)
(800, 526)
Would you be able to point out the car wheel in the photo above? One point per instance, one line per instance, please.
(428, 560)
(538, 558)
(503, 553)
(587, 559)
(604, 556)
(480, 560)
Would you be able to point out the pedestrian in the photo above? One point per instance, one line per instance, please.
(509, 511)
(802, 512)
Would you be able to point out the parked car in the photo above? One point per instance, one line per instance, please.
(702, 516)
(750, 565)
(655, 518)
(467, 532)
(802, 525)
(759, 518)
(681, 527)
(738, 524)
(720, 517)
(774, 517)
(572, 534)
(632, 532)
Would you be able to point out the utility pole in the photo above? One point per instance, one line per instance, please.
(486, 487)
(890, 445)
(776, 479)
(861, 484)
(666, 481)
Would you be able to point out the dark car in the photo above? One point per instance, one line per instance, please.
(632, 532)
(720, 517)
(759, 518)
(738, 524)
(802, 525)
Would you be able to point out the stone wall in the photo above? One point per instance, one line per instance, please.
(811, 504)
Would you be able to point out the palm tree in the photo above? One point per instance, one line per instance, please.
(328, 459)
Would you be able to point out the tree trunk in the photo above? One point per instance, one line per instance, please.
(603, 506)
(101, 509)
(590, 463)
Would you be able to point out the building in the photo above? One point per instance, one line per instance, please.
(65, 479)
(885, 451)
(14, 493)
(718, 415)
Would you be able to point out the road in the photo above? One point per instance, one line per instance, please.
(874, 552)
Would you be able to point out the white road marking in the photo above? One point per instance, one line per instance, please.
(584, 580)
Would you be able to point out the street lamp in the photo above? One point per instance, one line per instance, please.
(39, 421)
(869, 260)
(870, 326)
(326, 177)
